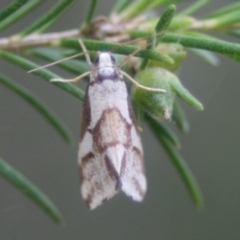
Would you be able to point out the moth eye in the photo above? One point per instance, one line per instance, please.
(113, 59)
(97, 61)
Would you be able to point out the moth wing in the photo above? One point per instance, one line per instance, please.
(97, 184)
(99, 181)
(133, 178)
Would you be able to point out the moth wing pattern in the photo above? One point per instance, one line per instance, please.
(133, 178)
(97, 182)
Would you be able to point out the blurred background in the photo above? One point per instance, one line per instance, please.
(211, 149)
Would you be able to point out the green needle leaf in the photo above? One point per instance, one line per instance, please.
(180, 118)
(160, 27)
(44, 73)
(11, 8)
(95, 45)
(21, 12)
(120, 5)
(185, 172)
(194, 7)
(184, 94)
(91, 11)
(30, 190)
(206, 55)
(180, 164)
(165, 20)
(139, 6)
(229, 49)
(54, 13)
(158, 3)
(166, 132)
(135, 8)
(41, 107)
(225, 10)
(222, 20)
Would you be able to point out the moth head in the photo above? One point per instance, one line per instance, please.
(105, 59)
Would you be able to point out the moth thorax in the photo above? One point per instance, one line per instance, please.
(105, 63)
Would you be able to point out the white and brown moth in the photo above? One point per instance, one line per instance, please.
(110, 152)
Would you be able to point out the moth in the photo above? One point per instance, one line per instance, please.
(110, 153)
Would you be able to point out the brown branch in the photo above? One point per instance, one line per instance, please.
(34, 40)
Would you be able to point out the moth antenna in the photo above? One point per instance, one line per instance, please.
(71, 80)
(85, 52)
(131, 55)
(54, 63)
(134, 40)
(141, 86)
(145, 38)
(137, 50)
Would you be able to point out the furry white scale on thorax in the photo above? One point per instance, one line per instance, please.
(110, 153)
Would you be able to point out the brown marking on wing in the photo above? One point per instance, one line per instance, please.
(123, 165)
(88, 200)
(86, 115)
(138, 187)
(112, 172)
(111, 129)
(99, 179)
(132, 174)
(140, 166)
(84, 161)
(140, 157)
(132, 114)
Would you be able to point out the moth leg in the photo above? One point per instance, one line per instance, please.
(141, 86)
(71, 80)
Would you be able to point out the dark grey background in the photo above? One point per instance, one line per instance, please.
(211, 149)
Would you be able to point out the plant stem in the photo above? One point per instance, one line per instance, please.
(35, 40)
